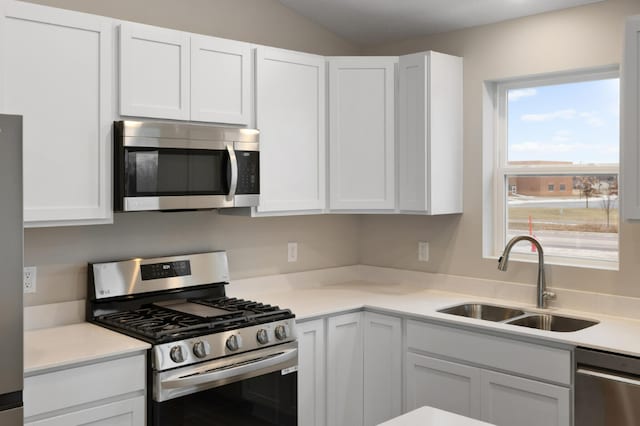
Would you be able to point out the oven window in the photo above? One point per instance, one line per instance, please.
(158, 172)
(267, 400)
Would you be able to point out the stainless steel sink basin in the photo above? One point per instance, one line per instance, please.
(553, 322)
(481, 311)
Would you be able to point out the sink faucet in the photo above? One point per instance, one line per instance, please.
(543, 294)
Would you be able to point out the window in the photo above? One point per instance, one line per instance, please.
(557, 132)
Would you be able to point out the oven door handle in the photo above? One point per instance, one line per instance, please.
(607, 376)
(233, 161)
(247, 369)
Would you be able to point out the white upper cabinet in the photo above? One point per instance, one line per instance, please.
(630, 141)
(154, 72)
(180, 76)
(57, 72)
(290, 114)
(362, 133)
(430, 133)
(220, 80)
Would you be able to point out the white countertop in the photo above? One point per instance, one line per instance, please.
(429, 416)
(614, 334)
(307, 297)
(60, 347)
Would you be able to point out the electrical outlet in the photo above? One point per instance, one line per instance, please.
(423, 251)
(30, 276)
(292, 252)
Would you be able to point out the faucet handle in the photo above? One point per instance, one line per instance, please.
(549, 295)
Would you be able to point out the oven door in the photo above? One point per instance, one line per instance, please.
(252, 389)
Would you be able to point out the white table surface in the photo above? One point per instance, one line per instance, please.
(429, 416)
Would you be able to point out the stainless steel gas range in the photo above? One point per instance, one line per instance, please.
(214, 360)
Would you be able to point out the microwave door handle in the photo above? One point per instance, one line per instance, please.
(233, 160)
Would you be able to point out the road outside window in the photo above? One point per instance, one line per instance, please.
(558, 167)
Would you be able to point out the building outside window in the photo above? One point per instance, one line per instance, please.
(556, 140)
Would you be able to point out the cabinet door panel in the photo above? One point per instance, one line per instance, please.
(57, 74)
(441, 384)
(311, 373)
(361, 133)
(220, 80)
(291, 118)
(154, 72)
(345, 370)
(129, 412)
(382, 368)
(514, 401)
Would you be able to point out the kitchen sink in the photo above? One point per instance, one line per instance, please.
(481, 311)
(553, 322)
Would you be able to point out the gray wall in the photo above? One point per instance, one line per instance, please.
(258, 21)
(586, 36)
(255, 246)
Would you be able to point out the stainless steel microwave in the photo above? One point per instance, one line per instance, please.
(178, 166)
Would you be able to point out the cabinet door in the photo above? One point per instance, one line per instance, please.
(382, 368)
(154, 72)
(311, 373)
(430, 133)
(56, 68)
(220, 80)
(441, 384)
(361, 133)
(630, 128)
(514, 401)
(129, 412)
(345, 370)
(291, 117)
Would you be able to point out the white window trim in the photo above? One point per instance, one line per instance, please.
(494, 163)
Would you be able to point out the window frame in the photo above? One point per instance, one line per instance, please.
(502, 171)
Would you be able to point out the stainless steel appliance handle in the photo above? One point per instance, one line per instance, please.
(234, 370)
(234, 172)
(606, 376)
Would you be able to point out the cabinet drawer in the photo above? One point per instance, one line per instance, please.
(74, 386)
(527, 359)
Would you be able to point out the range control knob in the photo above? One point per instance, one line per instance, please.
(201, 349)
(176, 354)
(262, 336)
(233, 343)
(281, 332)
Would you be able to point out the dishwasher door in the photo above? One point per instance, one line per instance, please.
(607, 389)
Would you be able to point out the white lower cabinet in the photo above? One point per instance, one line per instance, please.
(466, 388)
(382, 368)
(128, 412)
(107, 393)
(349, 370)
(513, 401)
(442, 384)
(345, 361)
(311, 373)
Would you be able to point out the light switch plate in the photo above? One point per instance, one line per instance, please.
(423, 251)
(292, 252)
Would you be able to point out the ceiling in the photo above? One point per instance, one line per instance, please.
(369, 22)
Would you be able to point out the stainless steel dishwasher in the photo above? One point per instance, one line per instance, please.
(607, 389)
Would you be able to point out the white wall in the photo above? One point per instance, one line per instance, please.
(586, 36)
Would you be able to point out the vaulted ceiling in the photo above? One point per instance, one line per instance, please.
(369, 22)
